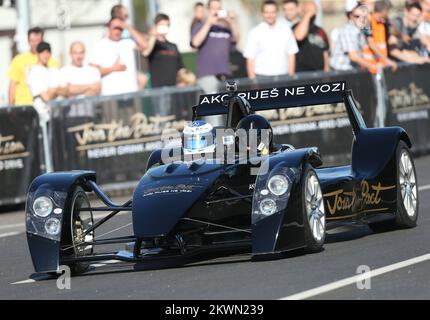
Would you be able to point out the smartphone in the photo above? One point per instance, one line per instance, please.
(222, 14)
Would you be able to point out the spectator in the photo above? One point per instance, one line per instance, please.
(424, 28)
(312, 41)
(19, 92)
(271, 46)
(291, 12)
(114, 57)
(404, 43)
(199, 14)
(121, 12)
(185, 78)
(79, 79)
(351, 39)
(214, 39)
(370, 4)
(164, 58)
(42, 80)
(376, 50)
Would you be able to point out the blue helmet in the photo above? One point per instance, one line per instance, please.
(199, 137)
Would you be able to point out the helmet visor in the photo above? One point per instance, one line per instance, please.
(198, 142)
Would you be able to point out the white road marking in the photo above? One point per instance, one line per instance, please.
(424, 188)
(11, 226)
(9, 234)
(39, 278)
(354, 279)
(25, 281)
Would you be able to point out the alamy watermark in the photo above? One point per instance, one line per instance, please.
(64, 281)
(364, 281)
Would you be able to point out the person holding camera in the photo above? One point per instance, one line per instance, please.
(214, 39)
(312, 40)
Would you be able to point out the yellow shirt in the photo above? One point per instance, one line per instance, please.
(18, 72)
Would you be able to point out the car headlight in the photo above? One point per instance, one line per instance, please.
(53, 226)
(278, 185)
(42, 207)
(268, 207)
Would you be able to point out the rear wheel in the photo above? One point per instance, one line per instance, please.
(407, 193)
(80, 221)
(313, 211)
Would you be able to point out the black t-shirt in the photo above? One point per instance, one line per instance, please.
(164, 64)
(310, 56)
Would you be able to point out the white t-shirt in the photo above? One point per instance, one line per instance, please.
(270, 47)
(79, 76)
(40, 79)
(105, 53)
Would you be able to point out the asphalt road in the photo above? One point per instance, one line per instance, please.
(325, 275)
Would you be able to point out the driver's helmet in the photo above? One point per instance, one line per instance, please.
(258, 123)
(199, 137)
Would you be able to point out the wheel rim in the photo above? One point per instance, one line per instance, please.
(408, 186)
(81, 221)
(315, 207)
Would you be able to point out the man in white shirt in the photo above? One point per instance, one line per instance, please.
(43, 81)
(115, 59)
(78, 79)
(271, 46)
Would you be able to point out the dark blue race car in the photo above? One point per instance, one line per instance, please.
(272, 201)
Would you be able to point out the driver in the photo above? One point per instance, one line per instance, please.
(199, 137)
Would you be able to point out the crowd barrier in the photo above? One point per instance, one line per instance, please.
(115, 135)
(20, 157)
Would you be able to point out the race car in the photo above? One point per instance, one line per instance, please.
(266, 200)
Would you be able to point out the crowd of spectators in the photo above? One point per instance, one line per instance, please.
(286, 41)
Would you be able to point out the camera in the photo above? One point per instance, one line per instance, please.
(222, 14)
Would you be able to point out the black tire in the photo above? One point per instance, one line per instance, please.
(314, 243)
(403, 219)
(73, 226)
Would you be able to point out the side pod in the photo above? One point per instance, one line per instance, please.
(55, 187)
(373, 149)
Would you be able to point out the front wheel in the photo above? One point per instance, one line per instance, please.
(313, 211)
(76, 242)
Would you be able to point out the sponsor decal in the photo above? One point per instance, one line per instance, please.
(366, 198)
(410, 103)
(168, 190)
(117, 138)
(12, 153)
(275, 93)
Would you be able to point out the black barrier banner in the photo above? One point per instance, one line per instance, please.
(325, 126)
(19, 153)
(408, 105)
(115, 136)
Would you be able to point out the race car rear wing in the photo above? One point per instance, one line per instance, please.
(274, 98)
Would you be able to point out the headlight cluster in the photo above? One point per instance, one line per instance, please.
(44, 214)
(42, 208)
(271, 194)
